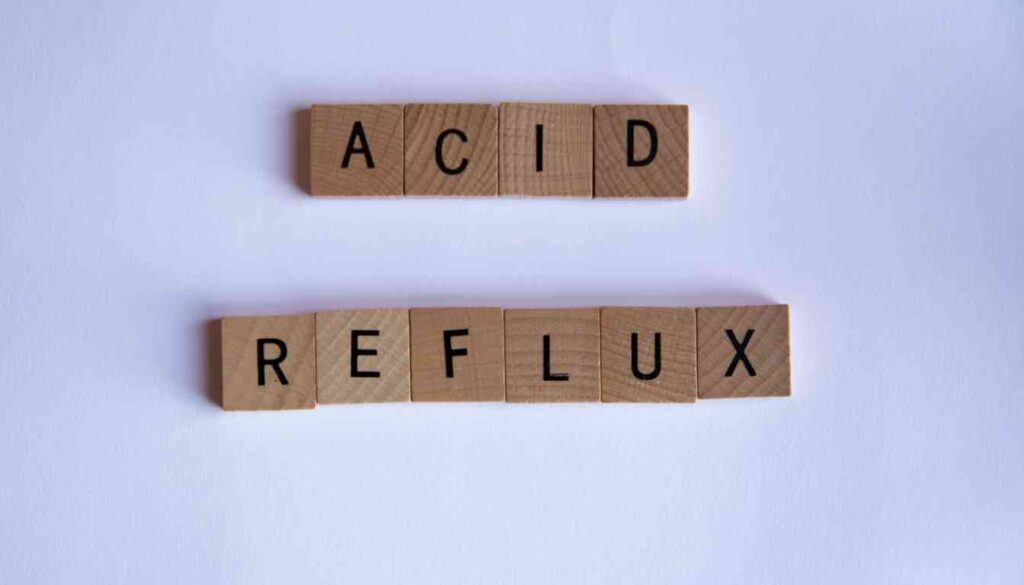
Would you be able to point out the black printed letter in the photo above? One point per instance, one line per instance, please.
(741, 352)
(364, 148)
(262, 362)
(449, 353)
(439, 154)
(657, 359)
(630, 154)
(548, 376)
(539, 164)
(356, 352)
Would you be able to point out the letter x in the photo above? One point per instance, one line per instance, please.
(741, 352)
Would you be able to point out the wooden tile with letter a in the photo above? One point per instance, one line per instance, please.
(743, 351)
(546, 149)
(553, 355)
(458, 355)
(268, 362)
(451, 149)
(362, 355)
(648, 354)
(641, 151)
(356, 150)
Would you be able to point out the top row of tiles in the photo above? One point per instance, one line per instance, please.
(559, 150)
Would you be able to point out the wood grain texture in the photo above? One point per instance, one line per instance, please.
(574, 349)
(568, 156)
(335, 383)
(240, 338)
(765, 332)
(672, 331)
(477, 376)
(332, 127)
(477, 146)
(668, 172)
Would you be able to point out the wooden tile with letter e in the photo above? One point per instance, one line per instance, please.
(641, 151)
(743, 351)
(268, 363)
(362, 355)
(458, 355)
(451, 149)
(648, 354)
(546, 149)
(553, 355)
(356, 150)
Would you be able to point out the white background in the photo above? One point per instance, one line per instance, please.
(863, 163)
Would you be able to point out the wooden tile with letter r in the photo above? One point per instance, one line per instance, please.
(451, 149)
(546, 149)
(362, 355)
(268, 363)
(553, 355)
(641, 151)
(743, 351)
(356, 150)
(648, 354)
(458, 355)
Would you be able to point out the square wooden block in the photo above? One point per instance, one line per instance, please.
(362, 355)
(356, 150)
(268, 363)
(451, 149)
(648, 354)
(546, 149)
(743, 351)
(458, 355)
(553, 355)
(641, 151)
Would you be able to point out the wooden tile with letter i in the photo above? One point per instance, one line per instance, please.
(641, 151)
(648, 354)
(356, 150)
(451, 149)
(553, 355)
(362, 355)
(546, 149)
(743, 351)
(268, 363)
(458, 355)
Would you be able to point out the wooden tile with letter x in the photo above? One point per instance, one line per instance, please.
(546, 149)
(553, 355)
(362, 355)
(641, 151)
(648, 354)
(743, 351)
(268, 362)
(356, 150)
(458, 355)
(451, 149)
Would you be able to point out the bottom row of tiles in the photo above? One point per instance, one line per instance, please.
(613, 354)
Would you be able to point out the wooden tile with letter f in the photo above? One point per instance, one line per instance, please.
(268, 362)
(743, 351)
(458, 355)
(552, 355)
(648, 354)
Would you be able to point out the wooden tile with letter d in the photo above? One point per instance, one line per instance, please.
(743, 351)
(357, 150)
(641, 151)
(648, 354)
(268, 362)
(362, 355)
(553, 355)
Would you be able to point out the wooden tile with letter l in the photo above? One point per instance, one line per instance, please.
(268, 363)
(648, 354)
(743, 351)
(641, 151)
(451, 149)
(553, 355)
(362, 355)
(458, 355)
(356, 150)
(546, 149)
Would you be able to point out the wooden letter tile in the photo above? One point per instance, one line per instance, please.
(458, 355)
(546, 149)
(451, 149)
(743, 351)
(356, 150)
(553, 355)
(648, 354)
(268, 362)
(641, 151)
(362, 355)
